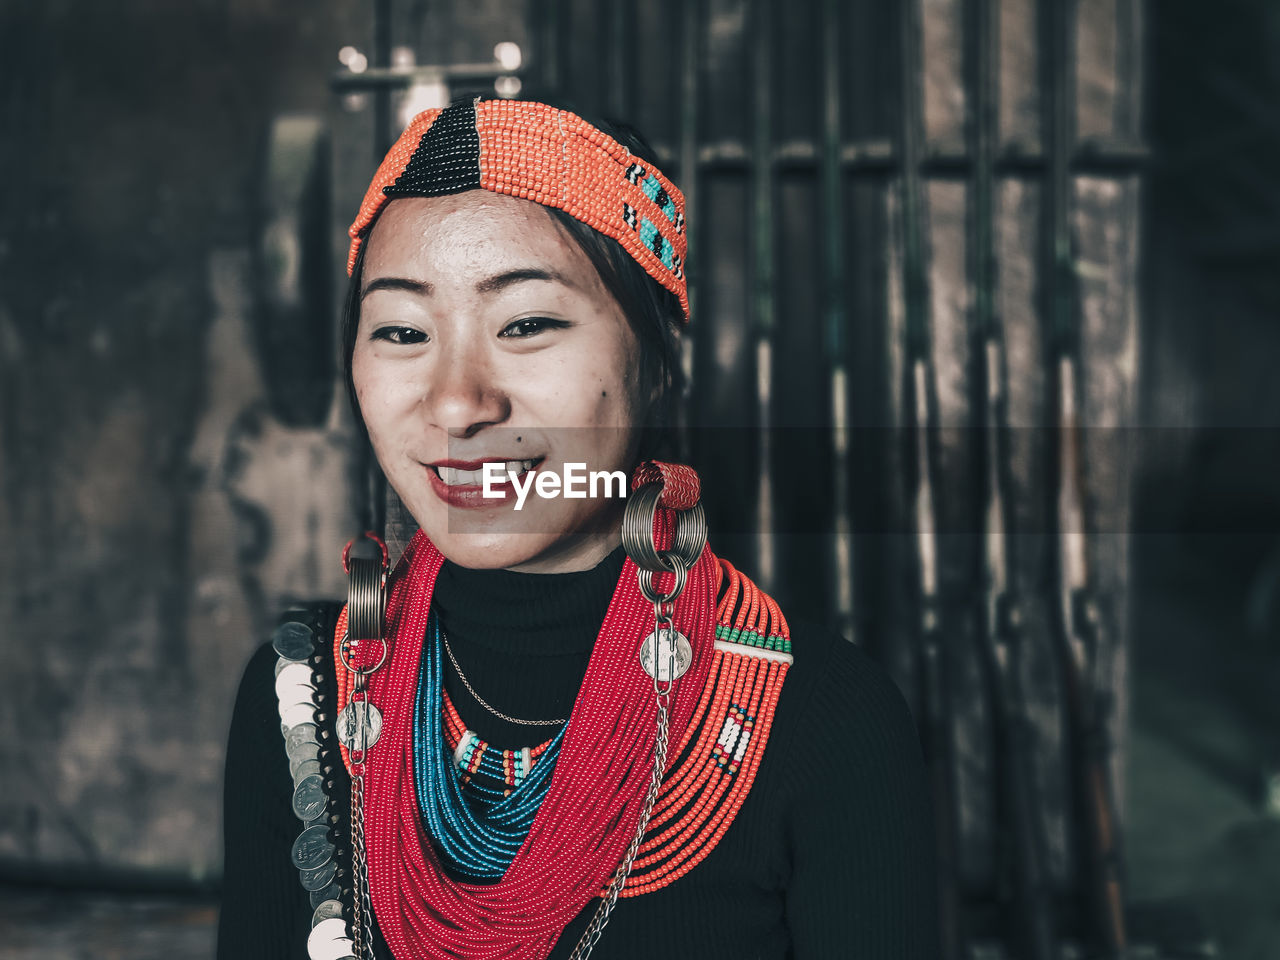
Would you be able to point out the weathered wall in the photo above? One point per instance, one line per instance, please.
(146, 537)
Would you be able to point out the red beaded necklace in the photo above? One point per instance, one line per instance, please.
(592, 808)
(720, 717)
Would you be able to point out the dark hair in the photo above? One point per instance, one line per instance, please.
(653, 311)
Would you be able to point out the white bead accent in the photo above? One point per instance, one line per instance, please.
(746, 650)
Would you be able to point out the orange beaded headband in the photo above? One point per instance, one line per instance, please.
(539, 153)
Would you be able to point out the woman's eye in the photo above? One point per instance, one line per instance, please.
(401, 335)
(529, 326)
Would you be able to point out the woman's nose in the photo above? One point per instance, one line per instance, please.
(463, 394)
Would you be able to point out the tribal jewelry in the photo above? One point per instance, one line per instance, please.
(474, 758)
(736, 665)
(539, 153)
(483, 702)
(590, 821)
(323, 867)
(478, 837)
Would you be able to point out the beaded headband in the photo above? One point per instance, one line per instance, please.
(539, 153)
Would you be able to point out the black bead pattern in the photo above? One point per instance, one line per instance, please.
(447, 159)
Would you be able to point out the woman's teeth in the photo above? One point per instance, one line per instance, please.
(474, 478)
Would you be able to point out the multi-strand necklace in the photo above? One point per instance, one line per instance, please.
(721, 712)
(478, 833)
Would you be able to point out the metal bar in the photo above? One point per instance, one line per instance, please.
(383, 135)
(1078, 625)
(621, 21)
(1030, 929)
(1095, 156)
(691, 65)
(373, 488)
(763, 294)
(393, 78)
(552, 72)
(930, 650)
(834, 295)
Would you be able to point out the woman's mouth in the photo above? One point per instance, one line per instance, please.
(505, 469)
(462, 483)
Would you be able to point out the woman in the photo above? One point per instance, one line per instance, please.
(583, 733)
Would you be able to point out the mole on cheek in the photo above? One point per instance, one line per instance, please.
(604, 393)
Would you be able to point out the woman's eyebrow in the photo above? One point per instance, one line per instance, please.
(488, 285)
(395, 283)
(503, 280)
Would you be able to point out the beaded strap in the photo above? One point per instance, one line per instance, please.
(539, 153)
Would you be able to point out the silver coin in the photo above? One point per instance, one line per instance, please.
(331, 892)
(325, 937)
(296, 695)
(312, 849)
(333, 950)
(349, 723)
(303, 770)
(294, 675)
(293, 714)
(308, 798)
(669, 643)
(300, 739)
(301, 735)
(326, 910)
(319, 878)
(301, 750)
(293, 640)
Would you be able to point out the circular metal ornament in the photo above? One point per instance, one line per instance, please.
(305, 769)
(328, 940)
(349, 723)
(648, 587)
(301, 740)
(319, 878)
(670, 643)
(309, 800)
(637, 531)
(296, 676)
(331, 892)
(296, 714)
(312, 849)
(293, 640)
(327, 910)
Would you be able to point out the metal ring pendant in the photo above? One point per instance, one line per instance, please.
(367, 599)
(637, 532)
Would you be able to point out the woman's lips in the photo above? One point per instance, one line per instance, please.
(470, 496)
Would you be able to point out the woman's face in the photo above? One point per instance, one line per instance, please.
(486, 335)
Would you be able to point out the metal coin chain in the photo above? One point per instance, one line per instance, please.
(361, 907)
(665, 647)
(360, 723)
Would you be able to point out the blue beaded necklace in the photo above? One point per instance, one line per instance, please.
(477, 833)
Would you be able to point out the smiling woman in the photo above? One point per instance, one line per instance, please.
(559, 713)
(486, 335)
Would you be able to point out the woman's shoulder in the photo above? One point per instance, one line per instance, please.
(837, 685)
(843, 733)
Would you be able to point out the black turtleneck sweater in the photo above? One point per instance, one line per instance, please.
(830, 856)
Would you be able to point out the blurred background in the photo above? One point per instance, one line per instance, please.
(985, 299)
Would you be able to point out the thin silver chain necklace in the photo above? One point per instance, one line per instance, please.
(484, 703)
